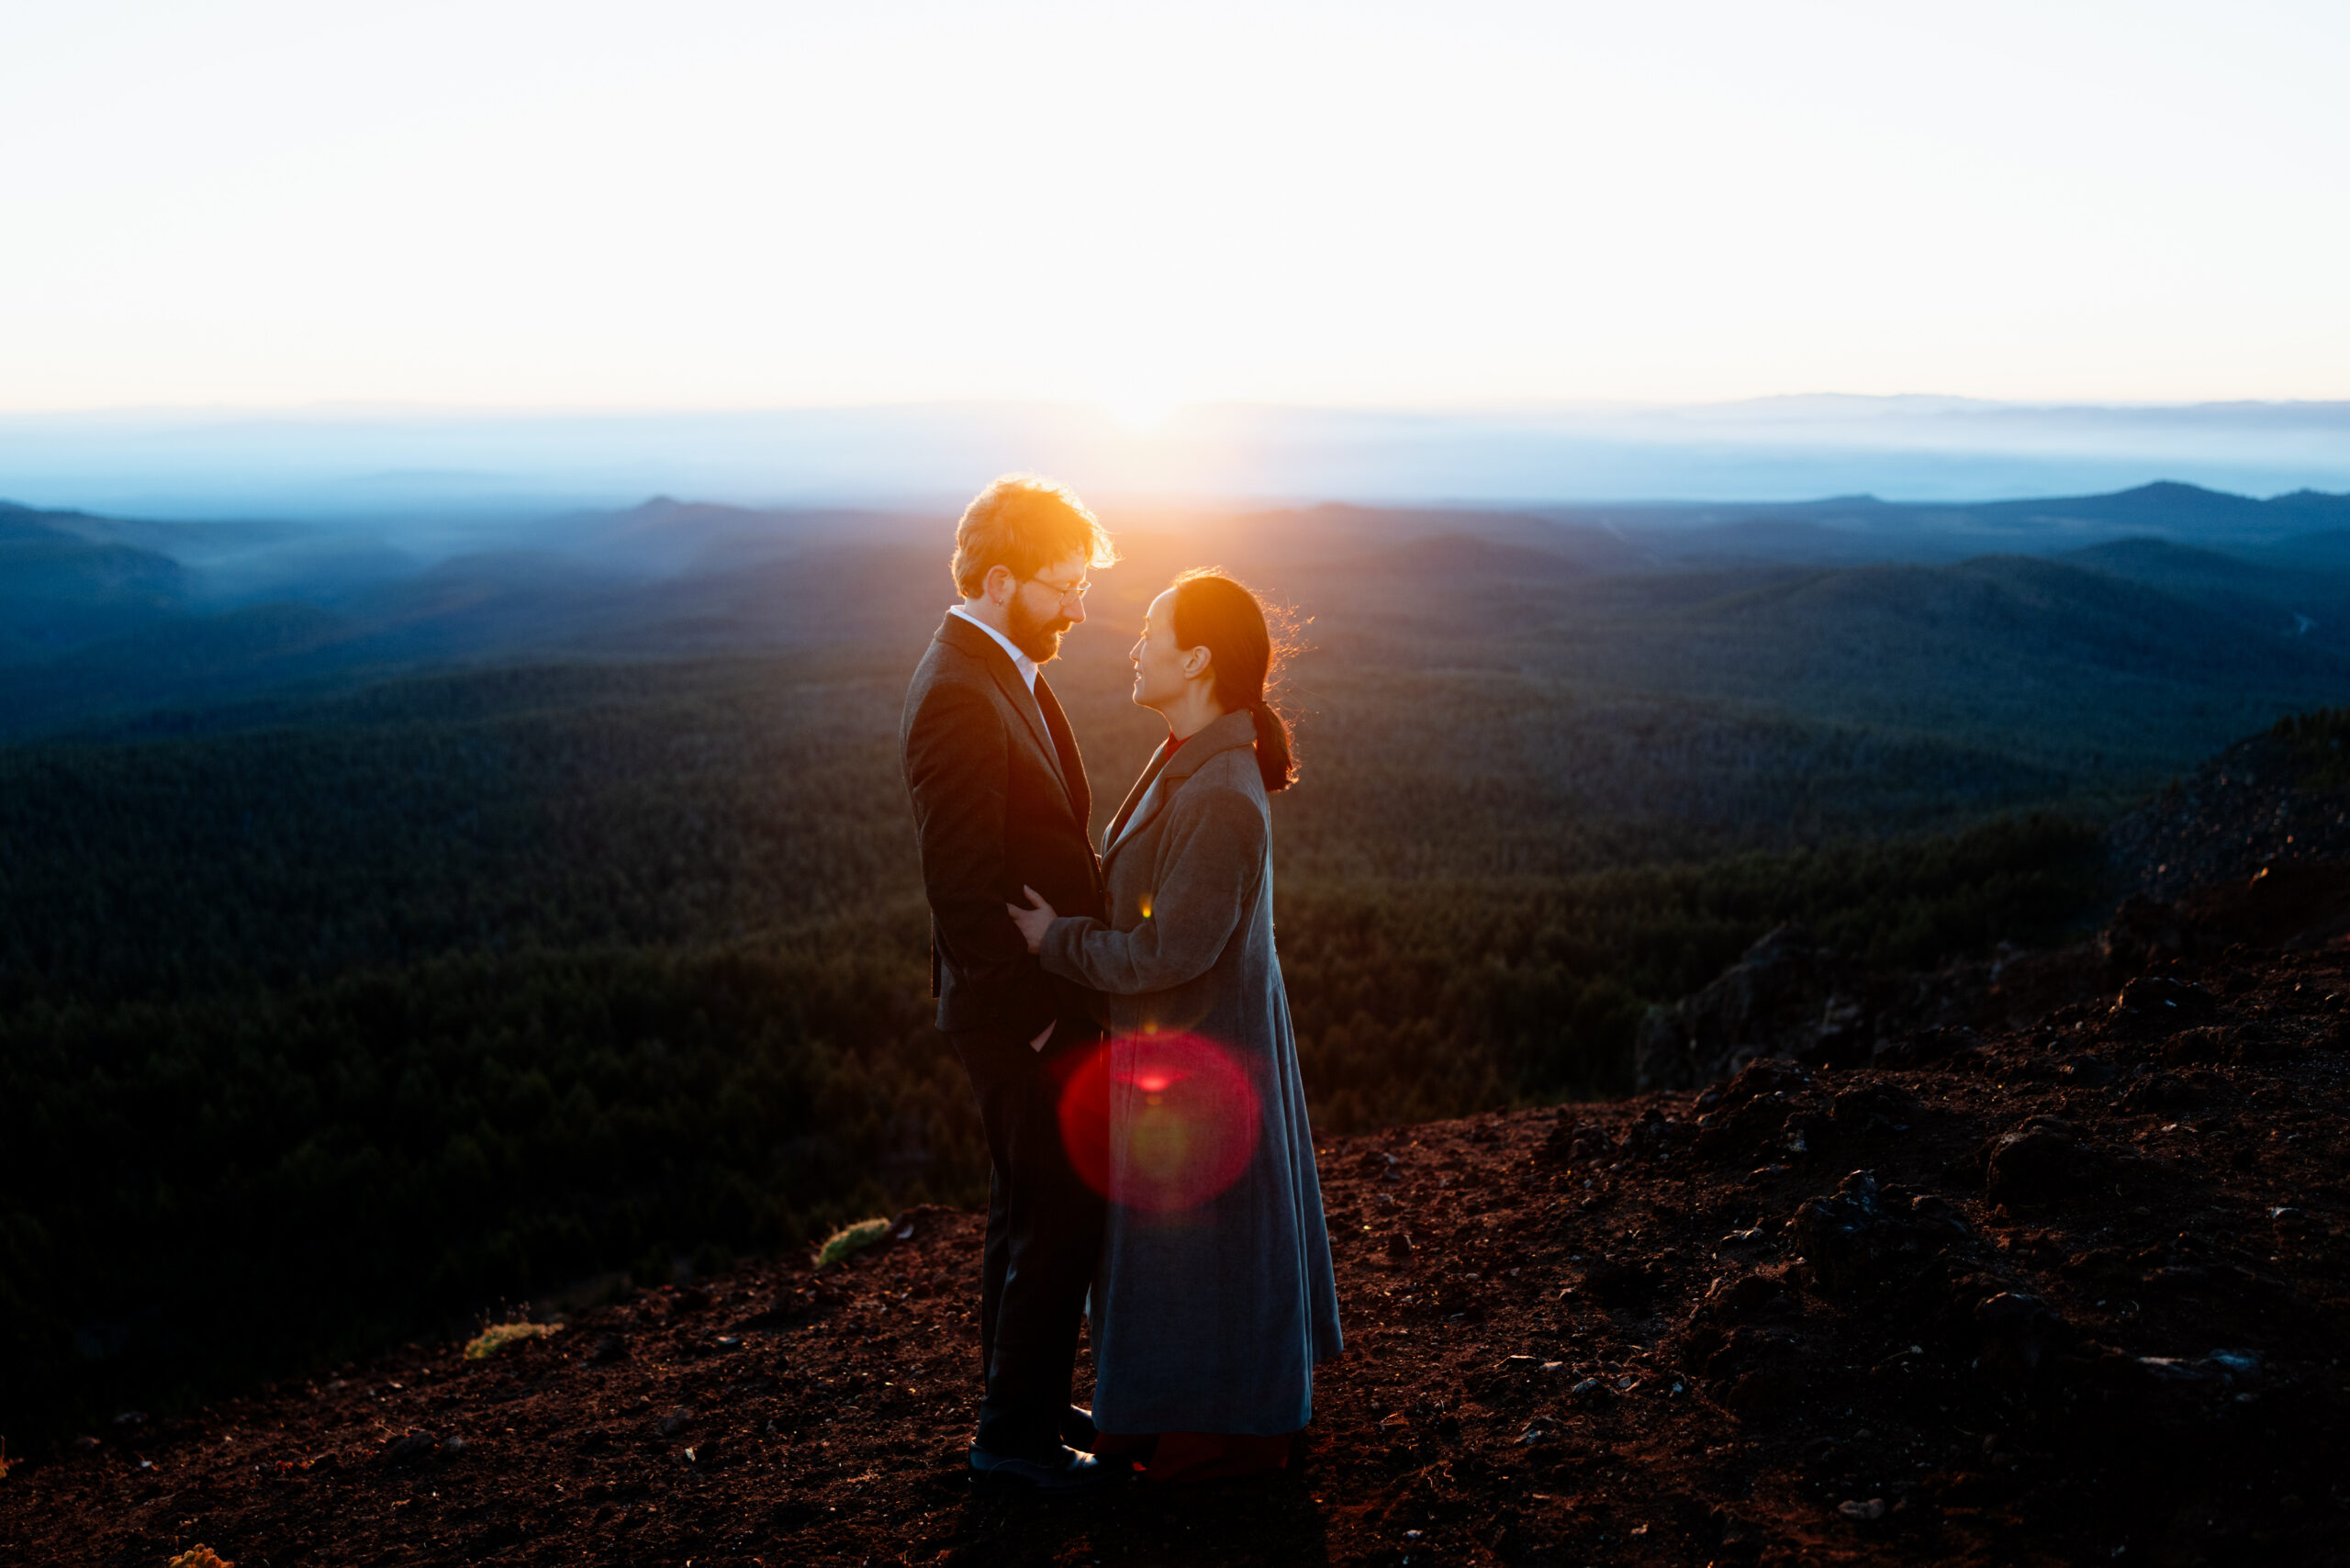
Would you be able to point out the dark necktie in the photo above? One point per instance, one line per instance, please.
(1065, 743)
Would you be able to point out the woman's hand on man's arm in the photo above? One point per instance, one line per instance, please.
(1215, 853)
(1034, 921)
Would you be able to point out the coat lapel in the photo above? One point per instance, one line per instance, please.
(1165, 775)
(959, 633)
(1137, 796)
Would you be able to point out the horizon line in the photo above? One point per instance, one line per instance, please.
(554, 506)
(362, 407)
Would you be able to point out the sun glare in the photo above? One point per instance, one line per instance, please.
(1139, 411)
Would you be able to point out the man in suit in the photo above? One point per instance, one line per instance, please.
(1000, 801)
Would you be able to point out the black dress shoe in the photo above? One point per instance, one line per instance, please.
(1077, 1429)
(1065, 1470)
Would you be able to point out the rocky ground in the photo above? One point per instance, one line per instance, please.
(2272, 801)
(2069, 1289)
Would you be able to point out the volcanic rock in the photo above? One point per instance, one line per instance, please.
(1779, 1000)
(409, 1446)
(2272, 803)
(1849, 1239)
(2034, 1165)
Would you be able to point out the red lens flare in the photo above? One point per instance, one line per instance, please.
(1161, 1122)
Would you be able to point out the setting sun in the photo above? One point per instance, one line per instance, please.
(1142, 412)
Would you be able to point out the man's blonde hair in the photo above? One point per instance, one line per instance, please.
(1024, 523)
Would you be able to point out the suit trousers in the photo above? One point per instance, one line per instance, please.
(1043, 1238)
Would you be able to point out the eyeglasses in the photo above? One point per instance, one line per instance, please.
(1064, 592)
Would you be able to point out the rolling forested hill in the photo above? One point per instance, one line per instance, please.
(409, 939)
(1634, 599)
(58, 590)
(1848, 529)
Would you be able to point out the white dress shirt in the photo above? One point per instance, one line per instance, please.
(1020, 661)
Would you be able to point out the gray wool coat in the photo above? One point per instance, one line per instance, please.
(1208, 1318)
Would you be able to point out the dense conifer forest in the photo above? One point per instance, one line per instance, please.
(340, 1012)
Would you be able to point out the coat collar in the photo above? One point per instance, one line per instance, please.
(1166, 774)
(959, 634)
(1229, 733)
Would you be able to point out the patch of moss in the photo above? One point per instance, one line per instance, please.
(850, 1239)
(500, 1337)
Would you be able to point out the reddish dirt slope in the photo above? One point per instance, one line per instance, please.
(2089, 1303)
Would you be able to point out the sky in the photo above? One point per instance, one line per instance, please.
(502, 204)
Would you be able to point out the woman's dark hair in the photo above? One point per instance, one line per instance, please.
(1214, 612)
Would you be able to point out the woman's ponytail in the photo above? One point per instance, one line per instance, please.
(1214, 611)
(1274, 760)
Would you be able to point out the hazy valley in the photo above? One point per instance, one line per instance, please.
(415, 921)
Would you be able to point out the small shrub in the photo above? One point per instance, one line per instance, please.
(850, 1239)
(200, 1557)
(500, 1337)
(2319, 745)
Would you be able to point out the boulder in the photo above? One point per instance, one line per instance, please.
(1785, 997)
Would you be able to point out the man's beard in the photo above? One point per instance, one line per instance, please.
(1040, 640)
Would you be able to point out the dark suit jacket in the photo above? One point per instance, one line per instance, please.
(992, 812)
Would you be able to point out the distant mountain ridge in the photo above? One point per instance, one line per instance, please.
(356, 463)
(60, 589)
(1856, 527)
(101, 618)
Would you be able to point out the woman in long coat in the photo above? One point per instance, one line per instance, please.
(1215, 1298)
